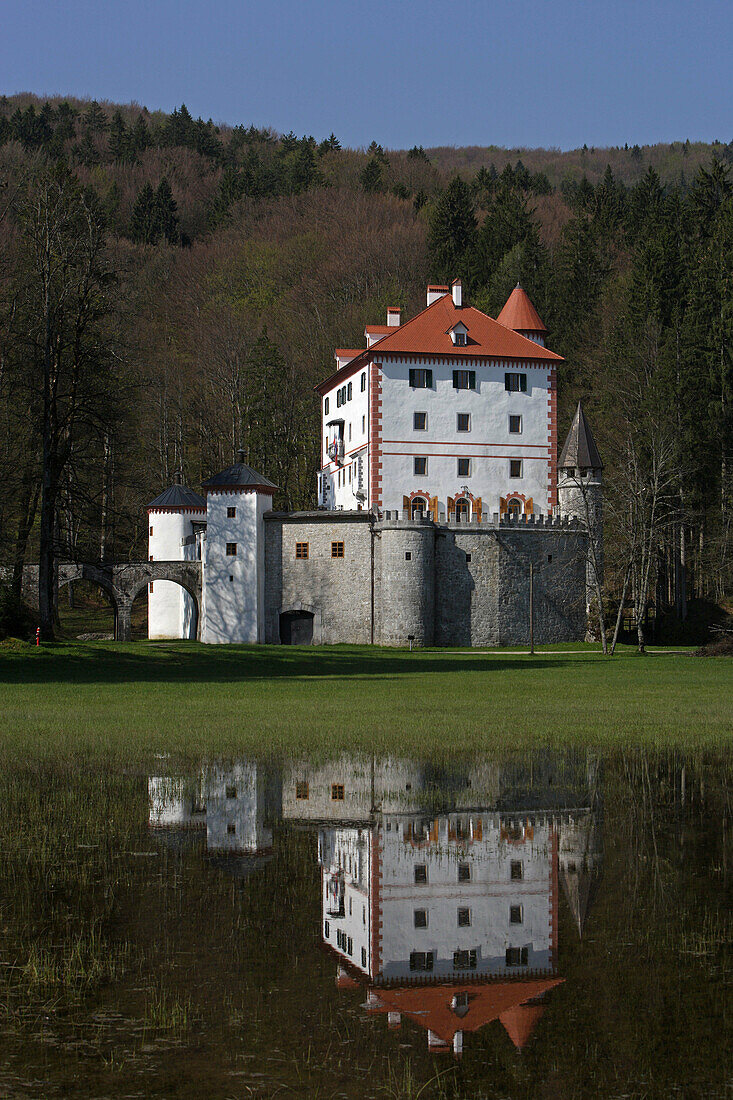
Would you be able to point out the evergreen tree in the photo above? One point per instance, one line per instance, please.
(371, 176)
(166, 213)
(94, 119)
(452, 232)
(143, 219)
(118, 138)
(139, 136)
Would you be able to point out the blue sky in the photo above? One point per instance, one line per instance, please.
(528, 73)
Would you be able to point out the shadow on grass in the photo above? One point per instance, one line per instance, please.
(195, 663)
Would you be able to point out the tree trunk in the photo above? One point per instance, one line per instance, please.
(28, 509)
(621, 609)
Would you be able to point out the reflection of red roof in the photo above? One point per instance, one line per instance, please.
(430, 1006)
(520, 1022)
(519, 313)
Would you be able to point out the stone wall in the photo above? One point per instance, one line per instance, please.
(337, 591)
(455, 584)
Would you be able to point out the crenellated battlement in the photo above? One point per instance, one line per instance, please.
(493, 520)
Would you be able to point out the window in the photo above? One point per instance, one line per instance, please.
(464, 872)
(464, 379)
(151, 532)
(419, 465)
(349, 392)
(571, 471)
(325, 406)
(349, 431)
(421, 874)
(517, 956)
(151, 557)
(515, 467)
(302, 790)
(464, 918)
(463, 422)
(421, 379)
(464, 467)
(337, 549)
(301, 550)
(515, 870)
(231, 792)
(231, 549)
(363, 914)
(468, 559)
(463, 510)
(515, 424)
(460, 1000)
(338, 398)
(337, 792)
(421, 918)
(514, 507)
(549, 557)
(408, 555)
(231, 829)
(231, 578)
(231, 513)
(460, 339)
(326, 929)
(363, 956)
(419, 424)
(464, 960)
(515, 914)
(151, 586)
(349, 946)
(572, 869)
(418, 507)
(515, 383)
(421, 960)
(363, 382)
(363, 423)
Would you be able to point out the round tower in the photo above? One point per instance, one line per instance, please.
(171, 516)
(579, 492)
(406, 570)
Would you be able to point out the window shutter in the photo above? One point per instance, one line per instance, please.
(502, 506)
(406, 505)
(477, 505)
(523, 383)
(429, 379)
(472, 379)
(451, 506)
(433, 505)
(529, 506)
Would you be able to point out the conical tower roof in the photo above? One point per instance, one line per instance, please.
(178, 496)
(520, 1021)
(240, 476)
(580, 446)
(519, 313)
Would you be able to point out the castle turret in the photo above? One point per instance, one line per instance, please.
(520, 315)
(579, 491)
(172, 517)
(234, 574)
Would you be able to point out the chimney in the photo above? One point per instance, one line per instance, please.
(435, 292)
(457, 292)
(393, 316)
(394, 1020)
(178, 477)
(458, 1043)
(240, 457)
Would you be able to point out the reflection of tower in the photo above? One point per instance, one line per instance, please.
(236, 808)
(175, 802)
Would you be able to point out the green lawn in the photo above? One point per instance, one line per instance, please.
(182, 697)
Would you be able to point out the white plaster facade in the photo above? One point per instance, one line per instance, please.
(234, 585)
(171, 537)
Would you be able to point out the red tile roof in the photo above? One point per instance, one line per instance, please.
(430, 1006)
(429, 334)
(519, 313)
(342, 353)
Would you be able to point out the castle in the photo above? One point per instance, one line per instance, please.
(444, 516)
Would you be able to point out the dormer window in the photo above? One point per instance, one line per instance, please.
(459, 335)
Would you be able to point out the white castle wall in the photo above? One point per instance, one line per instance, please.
(234, 584)
(235, 809)
(171, 611)
(342, 477)
(488, 444)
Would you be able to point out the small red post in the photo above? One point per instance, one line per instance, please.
(38, 635)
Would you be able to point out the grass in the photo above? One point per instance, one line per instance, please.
(183, 697)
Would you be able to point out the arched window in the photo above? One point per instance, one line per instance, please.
(514, 507)
(418, 507)
(463, 509)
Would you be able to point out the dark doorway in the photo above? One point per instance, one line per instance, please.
(296, 628)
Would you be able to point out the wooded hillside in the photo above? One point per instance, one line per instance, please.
(170, 289)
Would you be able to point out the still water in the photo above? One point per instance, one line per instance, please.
(555, 925)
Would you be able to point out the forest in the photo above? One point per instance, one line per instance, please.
(172, 289)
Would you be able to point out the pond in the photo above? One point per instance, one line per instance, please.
(555, 924)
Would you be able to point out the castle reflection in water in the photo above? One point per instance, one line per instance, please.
(439, 888)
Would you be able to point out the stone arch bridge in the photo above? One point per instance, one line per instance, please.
(124, 582)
